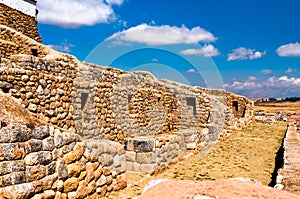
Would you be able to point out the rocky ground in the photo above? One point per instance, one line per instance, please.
(249, 153)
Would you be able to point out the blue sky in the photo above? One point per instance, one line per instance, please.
(248, 47)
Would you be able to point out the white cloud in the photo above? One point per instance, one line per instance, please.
(75, 13)
(273, 86)
(163, 35)
(63, 47)
(206, 51)
(266, 71)
(289, 70)
(114, 2)
(289, 50)
(243, 53)
(155, 60)
(191, 71)
(252, 78)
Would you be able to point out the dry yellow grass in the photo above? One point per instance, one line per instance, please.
(249, 153)
(11, 112)
(284, 107)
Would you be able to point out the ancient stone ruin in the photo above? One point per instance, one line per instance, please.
(94, 123)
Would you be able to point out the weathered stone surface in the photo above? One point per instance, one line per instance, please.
(14, 133)
(58, 185)
(143, 145)
(131, 156)
(101, 181)
(85, 188)
(33, 145)
(76, 154)
(35, 173)
(42, 158)
(120, 182)
(146, 158)
(149, 168)
(11, 166)
(102, 191)
(40, 132)
(48, 144)
(49, 194)
(106, 159)
(74, 169)
(71, 195)
(12, 179)
(61, 169)
(71, 184)
(32, 107)
(98, 172)
(20, 191)
(90, 170)
(12, 151)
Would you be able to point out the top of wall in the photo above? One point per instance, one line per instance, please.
(27, 7)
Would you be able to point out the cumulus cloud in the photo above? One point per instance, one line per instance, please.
(266, 71)
(273, 86)
(243, 53)
(206, 51)
(163, 35)
(64, 47)
(289, 70)
(289, 50)
(76, 13)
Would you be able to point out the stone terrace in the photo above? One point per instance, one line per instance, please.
(291, 168)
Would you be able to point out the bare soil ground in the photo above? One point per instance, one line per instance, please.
(249, 153)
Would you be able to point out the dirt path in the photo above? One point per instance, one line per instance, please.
(249, 153)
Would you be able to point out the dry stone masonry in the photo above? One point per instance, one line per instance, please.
(95, 122)
(20, 15)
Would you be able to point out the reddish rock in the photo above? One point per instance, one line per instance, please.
(215, 189)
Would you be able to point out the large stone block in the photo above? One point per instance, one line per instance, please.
(76, 154)
(130, 156)
(14, 133)
(147, 168)
(61, 169)
(139, 144)
(33, 145)
(12, 179)
(106, 159)
(71, 184)
(42, 158)
(11, 166)
(20, 191)
(35, 173)
(40, 132)
(146, 158)
(74, 169)
(11, 151)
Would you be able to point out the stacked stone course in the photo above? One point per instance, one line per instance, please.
(19, 21)
(47, 162)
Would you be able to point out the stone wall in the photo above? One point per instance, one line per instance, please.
(99, 122)
(48, 95)
(47, 162)
(14, 42)
(288, 177)
(23, 22)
